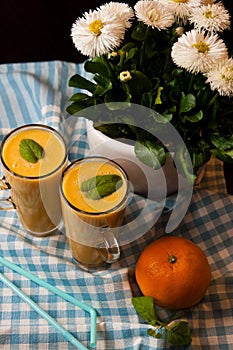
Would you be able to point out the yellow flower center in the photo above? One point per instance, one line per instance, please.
(153, 15)
(201, 46)
(181, 1)
(228, 76)
(96, 26)
(209, 14)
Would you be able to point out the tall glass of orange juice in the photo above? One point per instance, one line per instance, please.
(94, 195)
(33, 158)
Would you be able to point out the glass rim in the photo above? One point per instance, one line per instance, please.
(81, 211)
(34, 126)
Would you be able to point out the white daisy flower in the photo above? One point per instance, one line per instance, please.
(198, 52)
(97, 33)
(154, 14)
(220, 77)
(119, 10)
(181, 8)
(207, 2)
(214, 18)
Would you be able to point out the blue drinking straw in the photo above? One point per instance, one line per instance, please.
(42, 312)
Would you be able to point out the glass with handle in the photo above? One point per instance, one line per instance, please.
(33, 183)
(92, 215)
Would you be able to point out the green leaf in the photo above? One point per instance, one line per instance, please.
(103, 85)
(96, 67)
(145, 308)
(221, 142)
(180, 157)
(131, 54)
(158, 100)
(139, 32)
(150, 153)
(147, 99)
(101, 186)
(78, 105)
(224, 156)
(154, 332)
(168, 116)
(229, 153)
(196, 117)
(139, 84)
(79, 96)
(187, 102)
(78, 81)
(179, 334)
(30, 150)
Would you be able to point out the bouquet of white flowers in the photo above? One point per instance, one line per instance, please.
(169, 56)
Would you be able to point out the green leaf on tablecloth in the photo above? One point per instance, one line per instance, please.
(179, 334)
(157, 333)
(145, 308)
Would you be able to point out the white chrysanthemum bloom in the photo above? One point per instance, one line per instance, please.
(97, 33)
(198, 52)
(119, 10)
(220, 77)
(154, 14)
(207, 2)
(214, 18)
(125, 76)
(180, 8)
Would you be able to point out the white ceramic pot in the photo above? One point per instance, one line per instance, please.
(155, 184)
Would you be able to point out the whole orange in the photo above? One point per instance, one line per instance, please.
(174, 271)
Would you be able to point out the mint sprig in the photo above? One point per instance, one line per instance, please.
(30, 150)
(101, 186)
(177, 333)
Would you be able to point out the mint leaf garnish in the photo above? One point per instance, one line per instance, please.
(101, 186)
(30, 150)
(177, 333)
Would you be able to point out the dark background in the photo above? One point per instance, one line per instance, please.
(40, 30)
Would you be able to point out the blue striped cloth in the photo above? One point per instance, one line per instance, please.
(38, 93)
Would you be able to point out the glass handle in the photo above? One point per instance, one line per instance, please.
(3, 184)
(8, 204)
(109, 247)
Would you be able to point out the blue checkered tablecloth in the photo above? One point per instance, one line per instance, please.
(38, 93)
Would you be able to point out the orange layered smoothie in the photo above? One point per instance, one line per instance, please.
(54, 154)
(84, 171)
(84, 216)
(35, 186)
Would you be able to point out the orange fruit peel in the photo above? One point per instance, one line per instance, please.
(174, 271)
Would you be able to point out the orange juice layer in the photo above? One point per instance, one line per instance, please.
(76, 175)
(53, 156)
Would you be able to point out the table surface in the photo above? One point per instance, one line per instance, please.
(38, 93)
